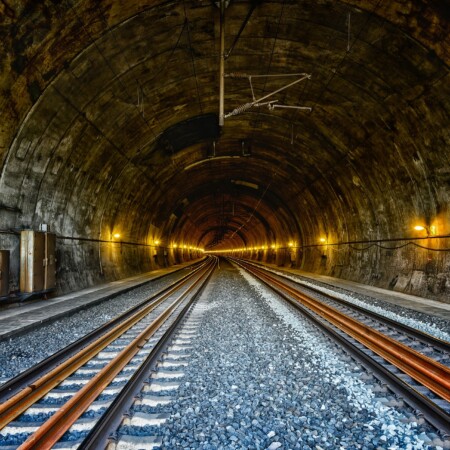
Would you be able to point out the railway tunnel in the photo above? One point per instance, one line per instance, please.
(330, 153)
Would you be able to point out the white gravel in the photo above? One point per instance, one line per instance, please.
(353, 298)
(340, 374)
(261, 376)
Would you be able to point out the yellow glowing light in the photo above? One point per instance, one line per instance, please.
(291, 244)
(174, 246)
(156, 242)
(322, 240)
(419, 228)
(116, 235)
(273, 246)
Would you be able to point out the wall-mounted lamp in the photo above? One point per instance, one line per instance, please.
(431, 230)
(116, 235)
(290, 244)
(322, 240)
(156, 242)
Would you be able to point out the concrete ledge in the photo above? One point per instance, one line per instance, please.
(24, 317)
(420, 304)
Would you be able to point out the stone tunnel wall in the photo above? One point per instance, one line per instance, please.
(402, 266)
(418, 267)
(81, 264)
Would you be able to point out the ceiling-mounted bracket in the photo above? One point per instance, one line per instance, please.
(222, 5)
(225, 2)
(272, 104)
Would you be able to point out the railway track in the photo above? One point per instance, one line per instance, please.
(127, 423)
(44, 403)
(419, 372)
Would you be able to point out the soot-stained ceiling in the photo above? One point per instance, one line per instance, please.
(109, 119)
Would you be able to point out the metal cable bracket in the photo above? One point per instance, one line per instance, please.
(272, 104)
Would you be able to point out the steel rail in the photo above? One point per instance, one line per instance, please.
(432, 412)
(109, 422)
(54, 428)
(412, 332)
(22, 400)
(425, 370)
(11, 387)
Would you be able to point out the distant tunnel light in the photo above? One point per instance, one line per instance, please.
(291, 244)
(322, 240)
(116, 235)
(156, 242)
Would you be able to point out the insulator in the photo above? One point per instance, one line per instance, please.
(239, 109)
(236, 75)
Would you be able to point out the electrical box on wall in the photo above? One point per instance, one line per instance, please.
(37, 261)
(4, 273)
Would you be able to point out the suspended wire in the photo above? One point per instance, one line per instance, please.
(140, 104)
(414, 244)
(274, 174)
(319, 97)
(349, 47)
(264, 88)
(191, 51)
(109, 65)
(82, 114)
(375, 244)
(270, 60)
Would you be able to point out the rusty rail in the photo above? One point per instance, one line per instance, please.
(430, 373)
(54, 428)
(20, 402)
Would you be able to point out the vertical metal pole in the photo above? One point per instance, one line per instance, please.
(222, 64)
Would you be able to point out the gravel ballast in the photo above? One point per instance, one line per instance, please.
(21, 352)
(428, 323)
(262, 377)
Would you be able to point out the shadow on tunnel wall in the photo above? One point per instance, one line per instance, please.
(414, 267)
(85, 263)
(417, 267)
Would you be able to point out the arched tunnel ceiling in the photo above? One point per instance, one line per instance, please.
(93, 95)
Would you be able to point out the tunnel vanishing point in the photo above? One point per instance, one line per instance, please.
(304, 133)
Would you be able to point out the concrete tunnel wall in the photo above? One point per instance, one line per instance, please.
(370, 163)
